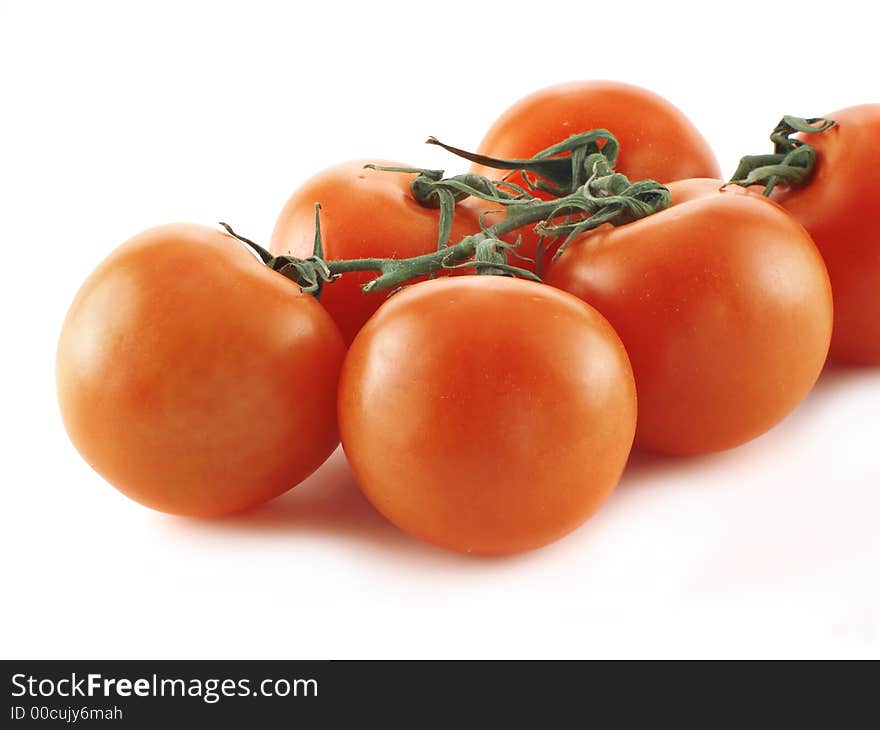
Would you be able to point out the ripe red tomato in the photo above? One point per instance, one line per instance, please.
(657, 141)
(364, 214)
(193, 378)
(838, 207)
(486, 414)
(724, 306)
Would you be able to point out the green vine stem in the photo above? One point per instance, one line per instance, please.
(559, 175)
(603, 196)
(792, 160)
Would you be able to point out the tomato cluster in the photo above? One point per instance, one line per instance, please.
(492, 411)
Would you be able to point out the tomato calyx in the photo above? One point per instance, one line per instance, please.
(599, 195)
(431, 189)
(792, 160)
(310, 273)
(606, 197)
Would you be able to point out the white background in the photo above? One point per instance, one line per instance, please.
(118, 116)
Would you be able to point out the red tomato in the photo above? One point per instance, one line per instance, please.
(838, 206)
(657, 141)
(486, 414)
(724, 306)
(193, 378)
(364, 214)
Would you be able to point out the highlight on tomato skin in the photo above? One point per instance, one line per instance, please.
(365, 213)
(485, 414)
(724, 306)
(193, 378)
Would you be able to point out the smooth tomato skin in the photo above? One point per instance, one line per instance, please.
(485, 414)
(657, 141)
(724, 306)
(193, 378)
(364, 214)
(684, 191)
(838, 207)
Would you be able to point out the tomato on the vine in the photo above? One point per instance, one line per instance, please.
(657, 141)
(838, 207)
(365, 213)
(724, 306)
(486, 414)
(195, 379)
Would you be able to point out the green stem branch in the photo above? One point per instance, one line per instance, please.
(600, 196)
